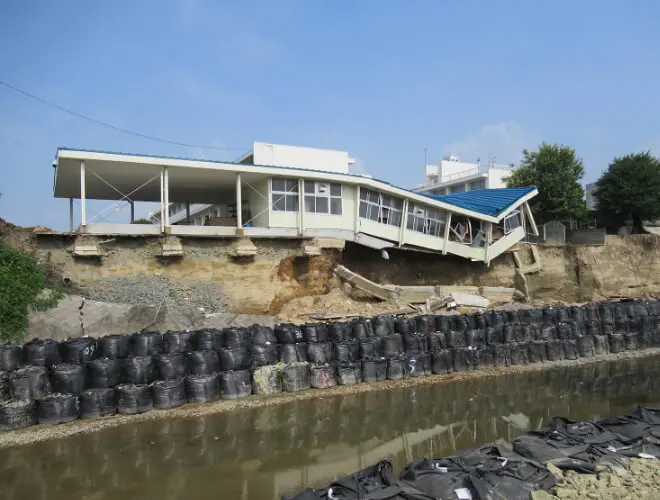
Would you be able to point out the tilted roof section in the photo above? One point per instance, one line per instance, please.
(491, 202)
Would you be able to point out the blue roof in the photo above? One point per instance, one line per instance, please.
(485, 201)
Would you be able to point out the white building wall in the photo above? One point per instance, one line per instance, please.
(496, 178)
(451, 168)
(258, 202)
(296, 157)
(327, 221)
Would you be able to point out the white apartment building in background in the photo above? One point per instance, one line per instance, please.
(452, 175)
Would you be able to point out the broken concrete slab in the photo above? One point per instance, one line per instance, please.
(469, 300)
(363, 283)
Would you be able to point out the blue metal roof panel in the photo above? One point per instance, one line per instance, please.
(485, 201)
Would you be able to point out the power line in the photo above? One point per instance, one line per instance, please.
(113, 127)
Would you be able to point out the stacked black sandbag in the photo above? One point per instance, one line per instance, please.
(349, 373)
(418, 365)
(322, 376)
(38, 352)
(57, 409)
(601, 345)
(393, 345)
(295, 377)
(554, 350)
(178, 342)
(169, 393)
(202, 388)
(104, 373)
(287, 333)
(17, 414)
(29, 382)
(441, 362)
(146, 343)
(78, 350)
(585, 346)
(461, 359)
(138, 370)
(97, 403)
(67, 378)
(235, 384)
(374, 370)
(397, 368)
(570, 349)
(170, 366)
(202, 362)
(10, 357)
(134, 398)
(382, 325)
(292, 353)
(536, 352)
(5, 387)
(115, 346)
(204, 339)
(233, 359)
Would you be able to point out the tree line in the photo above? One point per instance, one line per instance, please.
(627, 192)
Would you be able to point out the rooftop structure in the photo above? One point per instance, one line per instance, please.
(314, 196)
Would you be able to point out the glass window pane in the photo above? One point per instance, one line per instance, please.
(363, 210)
(309, 204)
(395, 219)
(411, 223)
(278, 185)
(322, 205)
(335, 189)
(278, 203)
(291, 203)
(335, 206)
(373, 212)
(364, 194)
(292, 185)
(309, 187)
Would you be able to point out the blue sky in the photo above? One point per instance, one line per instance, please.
(381, 80)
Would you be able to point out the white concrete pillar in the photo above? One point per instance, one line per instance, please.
(71, 215)
(488, 237)
(301, 206)
(162, 200)
(188, 212)
(447, 227)
(404, 221)
(83, 202)
(166, 185)
(356, 223)
(132, 211)
(467, 187)
(239, 201)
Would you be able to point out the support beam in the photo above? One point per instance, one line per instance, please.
(239, 201)
(132, 211)
(188, 212)
(489, 237)
(83, 201)
(356, 222)
(532, 223)
(162, 200)
(404, 221)
(301, 206)
(166, 182)
(71, 215)
(447, 226)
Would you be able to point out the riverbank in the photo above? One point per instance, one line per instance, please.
(50, 432)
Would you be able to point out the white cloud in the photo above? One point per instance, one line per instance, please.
(505, 140)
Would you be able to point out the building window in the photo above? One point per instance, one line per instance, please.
(480, 184)
(381, 208)
(426, 220)
(512, 221)
(284, 194)
(322, 198)
(458, 188)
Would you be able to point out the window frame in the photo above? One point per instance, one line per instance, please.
(515, 213)
(426, 220)
(311, 191)
(289, 194)
(381, 208)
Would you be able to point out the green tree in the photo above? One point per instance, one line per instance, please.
(630, 189)
(556, 171)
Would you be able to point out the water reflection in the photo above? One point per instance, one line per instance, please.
(264, 453)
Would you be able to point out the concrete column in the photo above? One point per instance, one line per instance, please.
(132, 211)
(356, 222)
(301, 206)
(489, 237)
(71, 215)
(166, 185)
(467, 187)
(162, 200)
(404, 221)
(447, 227)
(239, 201)
(83, 203)
(188, 212)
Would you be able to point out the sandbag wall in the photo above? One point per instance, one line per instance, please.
(45, 381)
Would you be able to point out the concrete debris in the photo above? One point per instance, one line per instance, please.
(464, 299)
(363, 283)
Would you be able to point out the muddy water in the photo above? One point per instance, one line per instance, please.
(267, 452)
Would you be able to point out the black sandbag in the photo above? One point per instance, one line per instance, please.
(368, 349)
(206, 339)
(536, 352)
(287, 333)
(527, 333)
(78, 350)
(170, 366)
(392, 345)
(202, 388)
(645, 338)
(261, 335)
(267, 380)
(443, 324)
(383, 325)
(563, 331)
(585, 346)
(103, 373)
(509, 333)
(359, 330)
(296, 377)
(480, 321)
(471, 321)
(342, 352)
(591, 313)
(519, 354)
(349, 373)
(425, 324)
(436, 341)
(29, 382)
(292, 353)
(616, 343)
(133, 399)
(570, 349)
(10, 357)
(310, 333)
(233, 359)
(335, 331)
(323, 376)
(397, 368)
(606, 314)
(263, 355)
(412, 343)
(455, 339)
(67, 378)
(178, 342)
(532, 316)
(607, 329)
(417, 365)
(630, 341)
(5, 387)
(501, 354)
(404, 325)
(459, 323)
(115, 346)
(601, 345)
(17, 414)
(554, 350)
(549, 316)
(592, 328)
(235, 337)
(576, 314)
(138, 370)
(41, 353)
(146, 343)
(512, 317)
(329, 351)
(460, 359)
(235, 385)
(621, 325)
(475, 338)
(441, 362)
(495, 318)
(484, 357)
(494, 335)
(316, 352)
(368, 327)
(57, 409)
(548, 332)
(169, 393)
(97, 403)
(374, 370)
(202, 362)
(563, 314)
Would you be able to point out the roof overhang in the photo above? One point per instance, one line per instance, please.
(109, 176)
